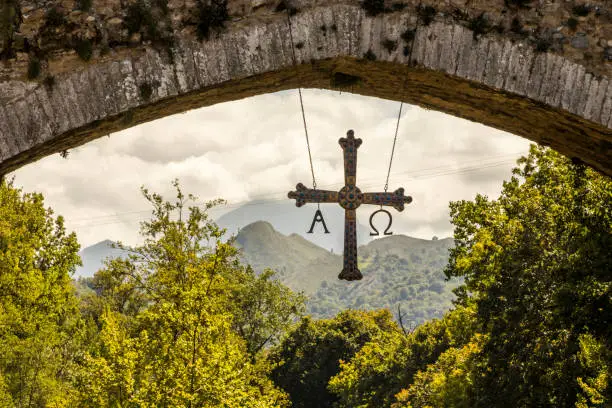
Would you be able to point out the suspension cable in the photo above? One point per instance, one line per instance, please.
(399, 115)
(314, 180)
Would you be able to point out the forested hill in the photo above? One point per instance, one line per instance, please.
(398, 271)
(287, 219)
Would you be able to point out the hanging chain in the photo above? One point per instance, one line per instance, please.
(314, 180)
(399, 115)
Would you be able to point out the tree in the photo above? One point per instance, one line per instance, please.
(445, 383)
(387, 364)
(171, 318)
(263, 308)
(39, 321)
(536, 264)
(313, 351)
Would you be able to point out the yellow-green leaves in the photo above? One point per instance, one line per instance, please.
(38, 313)
(182, 321)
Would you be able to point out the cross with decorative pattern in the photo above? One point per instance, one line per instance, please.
(349, 198)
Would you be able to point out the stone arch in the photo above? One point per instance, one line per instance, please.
(493, 79)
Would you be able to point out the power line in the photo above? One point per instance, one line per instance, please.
(433, 172)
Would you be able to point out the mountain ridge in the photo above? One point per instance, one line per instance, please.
(400, 272)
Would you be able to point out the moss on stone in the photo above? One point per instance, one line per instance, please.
(54, 18)
(9, 23)
(49, 82)
(572, 23)
(518, 3)
(426, 14)
(373, 7)
(84, 49)
(342, 80)
(84, 5)
(479, 25)
(33, 68)
(408, 35)
(286, 7)
(146, 90)
(389, 45)
(581, 10)
(212, 16)
(370, 56)
(140, 19)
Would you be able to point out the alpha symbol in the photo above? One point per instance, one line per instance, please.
(318, 218)
(387, 232)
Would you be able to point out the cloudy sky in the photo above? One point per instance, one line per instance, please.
(254, 149)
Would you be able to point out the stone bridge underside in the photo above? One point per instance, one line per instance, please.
(548, 97)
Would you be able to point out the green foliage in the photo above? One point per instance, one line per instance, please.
(263, 308)
(389, 362)
(398, 6)
(212, 16)
(285, 5)
(516, 26)
(163, 6)
(543, 44)
(373, 7)
(479, 25)
(408, 35)
(518, 3)
(180, 322)
(84, 49)
(54, 18)
(49, 82)
(536, 264)
(596, 360)
(171, 317)
(33, 68)
(426, 14)
(389, 45)
(532, 326)
(369, 55)
(409, 276)
(139, 18)
(146, 90)
(572, 23)
(84, 5)
(342, 80)
(38, 309)
(446, 383)
(312, 352)
(10, 18)
(581, 10)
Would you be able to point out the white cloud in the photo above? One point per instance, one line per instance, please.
(255, 148)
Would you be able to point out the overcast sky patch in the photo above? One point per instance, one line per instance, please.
(255, 149)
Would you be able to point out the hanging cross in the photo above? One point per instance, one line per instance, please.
(349, 198)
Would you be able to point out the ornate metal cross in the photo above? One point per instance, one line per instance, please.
(349, 198)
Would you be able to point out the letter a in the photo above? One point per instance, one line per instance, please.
(318, 218)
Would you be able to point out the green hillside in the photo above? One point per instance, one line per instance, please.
(398, 271)
(298, 263)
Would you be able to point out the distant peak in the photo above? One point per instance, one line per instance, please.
(261, 229)
(259, 226)
(105, 243)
